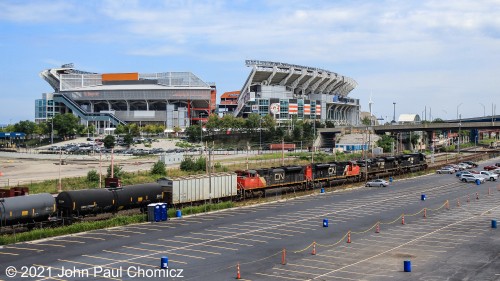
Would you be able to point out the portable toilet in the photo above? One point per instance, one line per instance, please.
(164, 210)
(151, 212)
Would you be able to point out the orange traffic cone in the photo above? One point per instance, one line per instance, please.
(283, 257)
(425, 213)
(403, 219)
(314, 248)
(447, 203)
(477, 196)
(468, 198)
(349, 237)
(238, 275)
(377, 230)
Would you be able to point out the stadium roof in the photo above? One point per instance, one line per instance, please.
(301, 79)
(67, 78)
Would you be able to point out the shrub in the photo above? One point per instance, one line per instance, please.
(92, 176)
(159, 169)
(117, 170)
(188, 164)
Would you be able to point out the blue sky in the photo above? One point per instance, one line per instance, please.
(443, 55)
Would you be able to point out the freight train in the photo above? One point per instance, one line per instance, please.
(30, 209)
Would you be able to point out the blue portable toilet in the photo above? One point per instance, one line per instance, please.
(157, 214)
(164, 263)
(325, 222)
(164, 210)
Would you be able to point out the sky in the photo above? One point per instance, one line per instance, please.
(436, 58)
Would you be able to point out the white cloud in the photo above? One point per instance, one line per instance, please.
(28, 12)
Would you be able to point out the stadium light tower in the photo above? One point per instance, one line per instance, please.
(394, 116)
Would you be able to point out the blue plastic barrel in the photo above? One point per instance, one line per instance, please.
(493, 224)
(423, 197)
(164, 263)
(178, 214)
(478, 182)
(407, 266)
(164, 209)
(325, 222)
(390, 179)
(322, 190)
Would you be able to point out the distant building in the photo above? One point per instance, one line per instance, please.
(228, 103)
(288, 91)
(372, 118)
(174, 99)
(409, 119)
(357, 142)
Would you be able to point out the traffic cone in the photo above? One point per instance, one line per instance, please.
(238, 275)
(283, 257)
(314, 248)
(447, 203)
(458, 202)
(403, 219)
(377, 230)
(489, 192)
(468, 198)
(425, 213)
(349, 237)
(477, 196)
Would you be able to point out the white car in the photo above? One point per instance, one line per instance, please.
(378, 182)
(464, 166)
(472, 178)
(496, 171)
(446, 170)
(489, 175)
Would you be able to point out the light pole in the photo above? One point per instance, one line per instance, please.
(484, 110)
(52, 131)
(457, 109)
(260, 135)
(394, 116)
(459, 129)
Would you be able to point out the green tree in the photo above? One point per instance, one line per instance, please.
(117, 171)
(66, 124)
(159, 168)
(193, 133)
(366, 121)
(92, 176)
(109, 141)
(27, 127)
(386, 143)
(128, 140)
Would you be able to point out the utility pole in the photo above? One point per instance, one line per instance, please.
(283, 152)
(59, 187)
(100, 169)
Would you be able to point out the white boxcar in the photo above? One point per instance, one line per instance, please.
(198, 188)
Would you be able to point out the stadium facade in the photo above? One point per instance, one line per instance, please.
(174, 99)
(287, 90)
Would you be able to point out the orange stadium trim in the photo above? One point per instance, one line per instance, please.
(120, 76)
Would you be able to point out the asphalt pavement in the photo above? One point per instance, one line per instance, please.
(448, 236)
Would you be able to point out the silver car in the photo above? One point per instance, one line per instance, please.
(471, 178)
(446, 170)
(378, 182)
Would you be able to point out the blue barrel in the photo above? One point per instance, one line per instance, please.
(478, 182)
(390, 179)
(178, 214)
(407, 266)
(325, 222)
(322, 190)
(423, 197)
(493, 224)
(164, 209)
(164, 263)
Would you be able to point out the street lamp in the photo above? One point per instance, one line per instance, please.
(459, 129)
(394, 116)
(260, 135)
(457, 108)
(52, 131)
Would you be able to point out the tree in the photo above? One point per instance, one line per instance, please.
(193, 133)
(386, 143)
(66, 124)
(109, 141)
(159, 168)
(366, 121)
(27, 127)
(128, 140)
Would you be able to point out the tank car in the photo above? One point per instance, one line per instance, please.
(138, 196)
(86, 201)
(26, 209)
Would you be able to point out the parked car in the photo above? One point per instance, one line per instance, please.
(472, 178)
(464, 166)
(459, 173)
(496, 171)
(446, 170)
(378, 182)
(473, 164)
(490, 167)
(497, 164)
(489, 175)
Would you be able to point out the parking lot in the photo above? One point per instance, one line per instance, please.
(454, 240)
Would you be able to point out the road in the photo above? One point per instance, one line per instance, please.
(455, 243)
